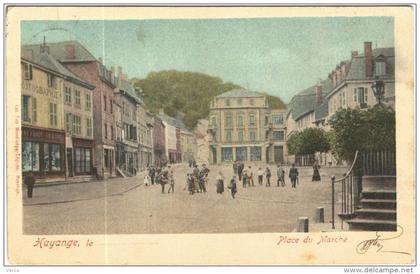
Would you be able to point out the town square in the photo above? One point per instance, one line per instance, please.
(221, 126)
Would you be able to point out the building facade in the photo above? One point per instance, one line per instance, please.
(43, 135)
(240, 128)
(172, 127)
(159, 148)
(127, 148)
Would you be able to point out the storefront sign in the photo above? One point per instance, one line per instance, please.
(78, 142)
(28, 86)
(42, 135)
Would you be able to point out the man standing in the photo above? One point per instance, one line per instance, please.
(235, 168)
(293, 175)
(232, 187)
(196, 177)
(171, 182)
(244, 178)
(260, 174)
(268, 176)
(29, 182)
(250, 176)
(280, 176)
(240, 169)
(163, 179)
(152, 174)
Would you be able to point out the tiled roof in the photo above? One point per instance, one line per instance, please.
(357, 69)
(305, 101)
(47, 61)
(240, 93)
(173, 122)
(129, 89)
(321, 111)
(58, 50)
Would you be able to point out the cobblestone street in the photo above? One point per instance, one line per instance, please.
(125, 205)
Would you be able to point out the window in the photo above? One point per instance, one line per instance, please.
(277, 119)
(228, 120)
(88, 102)
(30, 156)
(112, 133)
(104, 103)
(83, 160)
(53, 114)
(251, 102)
(252, 136)
(255, 153)
(241, 154)
(52, 157)
(213, 121)
(240, 120)
(227, 154)
(51, 80)
(266, 120)
(228, 136)
(76, 125)
(111, 106)
(278, 135)
(69, 124)
(240, 136)
(252, 120)
(25, 108)
(88, 127)
(55, 157)
(77, 98)
(34, 110)
(380, 68)
(106, 131)
(362, 96)
(27, 71)
(227, 102)
(67, 95)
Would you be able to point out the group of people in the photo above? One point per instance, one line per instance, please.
(160, 175)
(197, 180)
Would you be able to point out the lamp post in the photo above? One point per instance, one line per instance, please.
(378, 89)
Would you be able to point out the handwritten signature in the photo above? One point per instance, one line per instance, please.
(378, 243)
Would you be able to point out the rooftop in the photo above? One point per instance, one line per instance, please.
(240, 93)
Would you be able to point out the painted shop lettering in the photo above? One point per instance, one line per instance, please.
(29, 87)
(50, 244)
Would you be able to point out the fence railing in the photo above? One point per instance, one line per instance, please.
(379, 163)
(366, 163)
(349, 192)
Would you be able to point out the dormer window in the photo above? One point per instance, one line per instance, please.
(380, 68)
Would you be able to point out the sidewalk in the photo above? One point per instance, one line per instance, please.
(72, 192)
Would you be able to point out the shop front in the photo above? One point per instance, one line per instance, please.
(43, 152)
(83, 156)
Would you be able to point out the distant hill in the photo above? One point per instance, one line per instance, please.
(188, 92)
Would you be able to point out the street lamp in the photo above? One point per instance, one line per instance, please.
(378, 89)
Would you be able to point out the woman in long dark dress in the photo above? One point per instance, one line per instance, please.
(220, 186)
(316, 176)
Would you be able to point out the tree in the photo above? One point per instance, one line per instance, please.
(188, 92)
(356, 129)
(308, 141)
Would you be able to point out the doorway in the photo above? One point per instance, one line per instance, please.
(278, 154)
(69, 162)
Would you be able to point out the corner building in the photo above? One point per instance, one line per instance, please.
(241, 129)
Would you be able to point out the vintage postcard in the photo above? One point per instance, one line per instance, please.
(210, 135)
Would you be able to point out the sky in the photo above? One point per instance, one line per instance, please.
(280, 56)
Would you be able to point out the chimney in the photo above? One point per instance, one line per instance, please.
(319, 98)
(70, 51)
(28, 54)
(44, 47)
(368, 59)
(354, 53)
(334, 79)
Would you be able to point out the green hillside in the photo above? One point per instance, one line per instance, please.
(188, 92)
